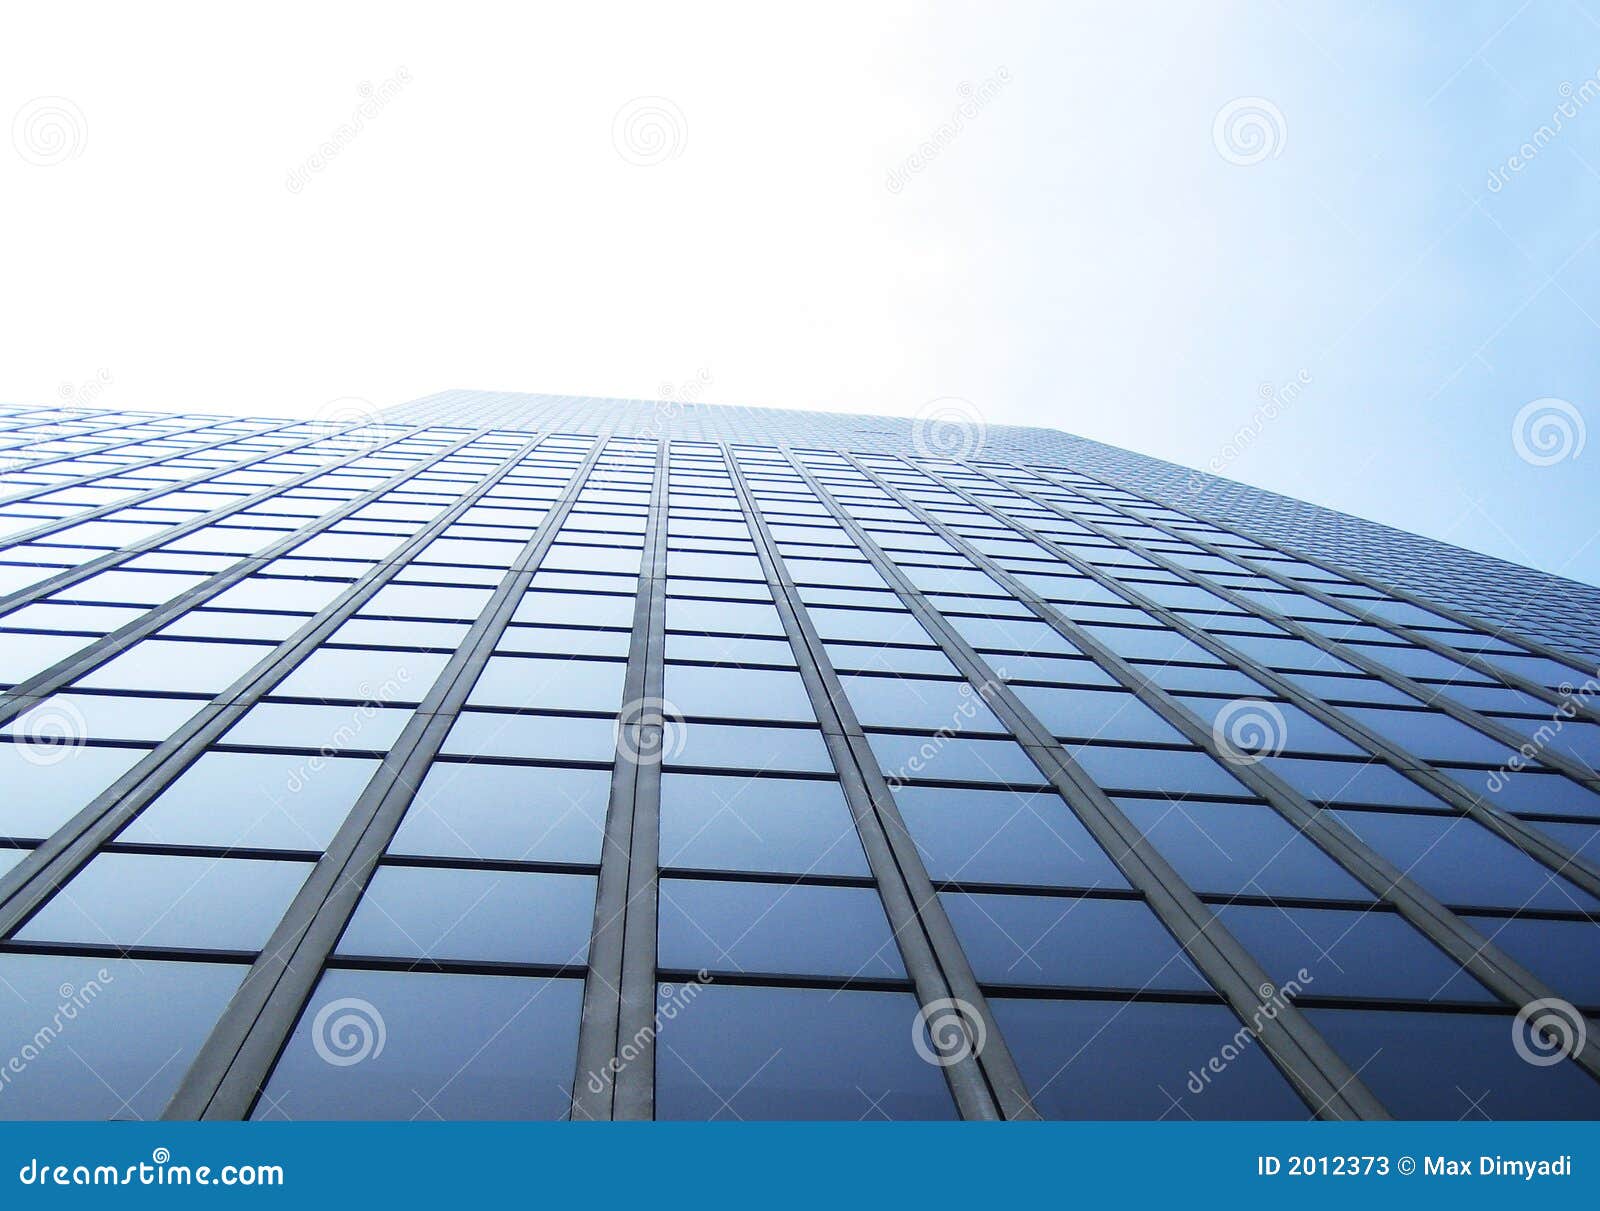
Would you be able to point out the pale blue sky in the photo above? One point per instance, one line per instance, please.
(1079, 254)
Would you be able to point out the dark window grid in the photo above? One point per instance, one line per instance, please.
(903, 883)
(1180, 925)
(148, 460)
(1451, 935)
(215, 1084)
(1254, 900)
(1390, 592)
(1426, 774)
(55, 584)
(71, 847)
(79, 664)
(1425, 703)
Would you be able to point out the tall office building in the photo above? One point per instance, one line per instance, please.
(511, 756)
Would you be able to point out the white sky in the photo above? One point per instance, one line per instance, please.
(1078, 256)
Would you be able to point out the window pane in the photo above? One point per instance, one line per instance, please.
(519, 812)
(775, 928)
(46, 787)
(1003, 837)
(792, 1053)
(794, 825)
(1137, 1060)
(1453, 1066)
(1068, 941)
(254, 800)
(91, 1071)
(146, 900)
(473, 915)
(431, 1047)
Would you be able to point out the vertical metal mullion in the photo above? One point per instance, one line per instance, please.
(1532, 646)
(933, 959)
(622, 944)
(1497, 971)
(1413, 768)
(237, 1057)
(28, 693)
(25, 887)
(76, 575)
(1315, 1070)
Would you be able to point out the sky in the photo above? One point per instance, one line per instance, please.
(1349, 252)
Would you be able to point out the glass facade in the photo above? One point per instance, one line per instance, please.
(528, 757)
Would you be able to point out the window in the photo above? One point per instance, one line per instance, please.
(1122, 1060)
(98, 1072)
(1017, 837)
(800, 826)
(473, 915)
(507, 812)
(431, 1047)
(550, 684)
(254, 801)
(732, 1052)
(775, 928)
(1453, 1066)
(1068, 942)
(169, 901)
(1352, 954)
